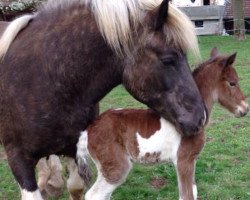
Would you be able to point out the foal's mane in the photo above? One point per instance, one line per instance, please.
(117, 21)
(202, 66)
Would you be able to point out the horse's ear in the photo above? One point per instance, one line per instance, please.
(161, 15)
(229, 60)
(214, 52)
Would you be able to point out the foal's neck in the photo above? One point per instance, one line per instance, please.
(205, 78)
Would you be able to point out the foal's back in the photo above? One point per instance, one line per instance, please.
(140, 134)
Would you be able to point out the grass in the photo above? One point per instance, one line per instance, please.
(223, 168)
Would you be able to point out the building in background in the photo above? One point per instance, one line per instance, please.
(212, 17)
(207, 15)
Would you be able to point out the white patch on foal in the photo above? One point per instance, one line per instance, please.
(165, 141)
(195, 192)
(26, 195)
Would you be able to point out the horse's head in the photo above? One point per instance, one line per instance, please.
(164, 82)
(161, 77)
(228, 90)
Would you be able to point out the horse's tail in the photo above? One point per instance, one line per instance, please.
(83, 157)
(11, 32)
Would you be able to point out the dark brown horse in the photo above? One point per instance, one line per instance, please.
(118, 138)
(58, 63)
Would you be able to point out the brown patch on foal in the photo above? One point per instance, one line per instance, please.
(151, 157)
(120, 127)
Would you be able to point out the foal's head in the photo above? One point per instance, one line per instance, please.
(228, 90)
(222, 78)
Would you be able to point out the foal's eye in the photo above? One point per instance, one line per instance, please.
(232, 84)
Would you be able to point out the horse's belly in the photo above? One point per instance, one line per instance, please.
(161, 146)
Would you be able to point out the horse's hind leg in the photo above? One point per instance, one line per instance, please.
(23, 169)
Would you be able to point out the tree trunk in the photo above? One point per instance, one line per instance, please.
(239, 23)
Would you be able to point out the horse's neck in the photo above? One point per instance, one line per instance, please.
(91, 59)
(3, 26)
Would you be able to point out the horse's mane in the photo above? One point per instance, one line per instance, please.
(114, 20)
(117, 21)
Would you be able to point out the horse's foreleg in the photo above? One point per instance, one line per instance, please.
(55, 182)
(43, 173)
(75, 184)
(185, 172)
(23, 169)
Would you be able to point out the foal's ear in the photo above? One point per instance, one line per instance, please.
(214, 52)
(229, 60)
(161, 15)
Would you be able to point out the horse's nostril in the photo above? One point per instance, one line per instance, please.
(202, 121)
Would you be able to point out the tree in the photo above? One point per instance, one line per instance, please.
(239, 23)
(12, 8)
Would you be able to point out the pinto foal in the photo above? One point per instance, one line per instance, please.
(120, 137)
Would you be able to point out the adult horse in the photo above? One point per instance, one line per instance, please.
(58, 63)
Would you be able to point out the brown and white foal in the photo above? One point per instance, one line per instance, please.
(119, 138)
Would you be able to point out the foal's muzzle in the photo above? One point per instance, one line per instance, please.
(242, 109)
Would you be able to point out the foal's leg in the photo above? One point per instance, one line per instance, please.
(188, 151)
(111, 174)
(102, 189)
(185, 173)
(23, 169)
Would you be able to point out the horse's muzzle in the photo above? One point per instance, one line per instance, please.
(190, 126)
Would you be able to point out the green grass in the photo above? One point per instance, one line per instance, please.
(223, 168)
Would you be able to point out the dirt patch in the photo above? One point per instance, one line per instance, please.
(158, 183)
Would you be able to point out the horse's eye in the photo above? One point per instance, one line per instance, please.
(168, 62)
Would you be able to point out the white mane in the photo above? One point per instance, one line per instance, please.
(11, 32)
(114, 19)
(117, 21)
